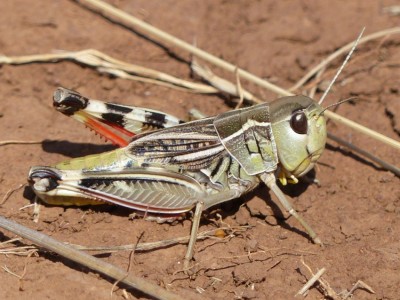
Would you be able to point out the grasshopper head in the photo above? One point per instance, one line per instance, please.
(300, 133)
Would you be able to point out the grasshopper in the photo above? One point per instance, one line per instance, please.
(166, 166)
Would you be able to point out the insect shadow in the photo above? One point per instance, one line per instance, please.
(352, 155)
(74, 150)
(231, 208)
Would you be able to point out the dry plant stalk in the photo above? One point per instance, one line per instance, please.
(107, 64)
(10, 192)
(316, 277)
(15, 142)
(327, 290)
(160, 244)
(20, 251)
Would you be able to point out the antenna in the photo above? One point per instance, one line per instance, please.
(341, 67)
(337, 103)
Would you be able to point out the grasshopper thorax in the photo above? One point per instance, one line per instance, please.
(299, 129)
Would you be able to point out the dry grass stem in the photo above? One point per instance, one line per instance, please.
(15, 142)
(328, 291)
(27, 206)
(240, 91)
(220, 83)
(10, 192)
(368, 155)
(5, 268)
(159, 244)
(393, 10)
(21, 277)
(107, 64)
(20, 251)
(359, 284)
(311, 282)
(272, 252)
(362, 129)
(10, 241)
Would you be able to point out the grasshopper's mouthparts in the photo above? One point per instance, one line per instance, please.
(43, 179)
(68, 101)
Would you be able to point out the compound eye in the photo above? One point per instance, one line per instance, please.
(298, 122)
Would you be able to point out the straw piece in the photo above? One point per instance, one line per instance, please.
(15, 142)
(311, 282)
(152, 245)
(105, 63)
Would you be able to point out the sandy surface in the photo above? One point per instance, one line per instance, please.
(356, 211)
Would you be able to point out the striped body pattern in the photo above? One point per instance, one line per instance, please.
(167, 166)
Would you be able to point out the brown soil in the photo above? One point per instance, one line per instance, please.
(356, 211)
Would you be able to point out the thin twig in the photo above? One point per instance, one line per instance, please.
(10, 241)
(87, 260)
(107, 64)
(22, 250)
(311, 282)
(32, 252)
(15, 142)
(328, 291)
(10, 192)
(240, 91)
(359, 284)
(152, 245)
(393, 10)
(19, 251)
(5, 268)
(220, 83)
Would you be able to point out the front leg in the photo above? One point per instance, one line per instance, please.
(270, 180)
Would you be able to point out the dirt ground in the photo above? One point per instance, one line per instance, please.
(356, 211)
